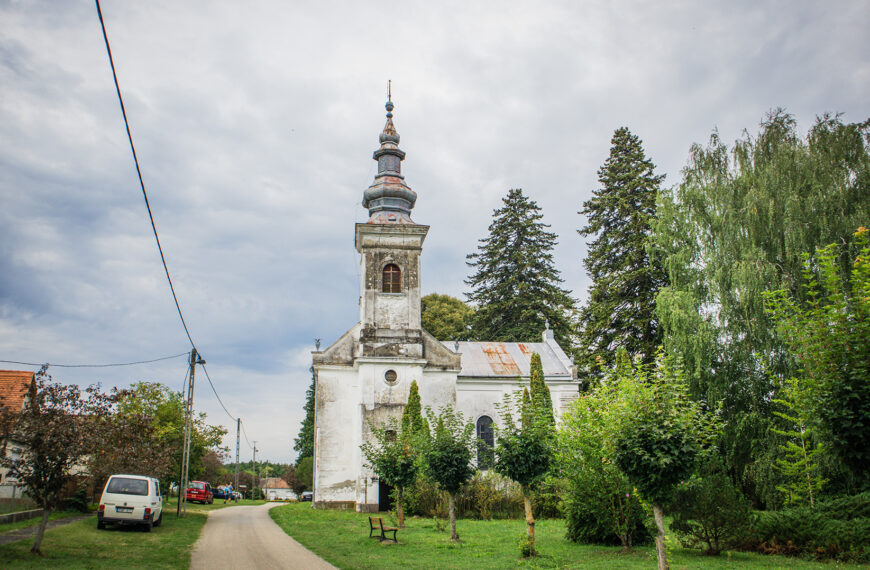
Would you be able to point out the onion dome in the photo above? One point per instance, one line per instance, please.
(389, 200)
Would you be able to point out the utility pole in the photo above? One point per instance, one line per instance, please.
(181, 509)
(238, 429)
(256, 483)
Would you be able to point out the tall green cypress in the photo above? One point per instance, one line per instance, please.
(412, 417)
(620, 311)
(515, 284)
(304, 442)
(541, 401)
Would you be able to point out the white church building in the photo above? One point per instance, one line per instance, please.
(365, 376)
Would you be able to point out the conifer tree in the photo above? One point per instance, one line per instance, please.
(620, 311)
(413, 422)
(542, 403)
(515, 284)
(304, 442)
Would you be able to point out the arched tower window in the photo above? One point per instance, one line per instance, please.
(392, 279)
(485, 443)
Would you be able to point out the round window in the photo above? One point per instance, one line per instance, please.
(391, 376)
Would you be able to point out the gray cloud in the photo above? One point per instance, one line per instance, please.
(255, 124)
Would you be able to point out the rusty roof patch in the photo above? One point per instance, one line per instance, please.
(499, 359)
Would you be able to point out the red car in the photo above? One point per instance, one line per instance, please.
(199, 492)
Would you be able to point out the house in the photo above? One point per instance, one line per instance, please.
(364, 377)
(276, 489)
(14, 388)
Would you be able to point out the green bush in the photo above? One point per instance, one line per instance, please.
(487, 496)
(709, 510)
(547, 497)
(588, 519)
(836, 528)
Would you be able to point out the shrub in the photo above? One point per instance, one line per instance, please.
(547, 497)
(836, 528)
(589, 519)
(708, 510)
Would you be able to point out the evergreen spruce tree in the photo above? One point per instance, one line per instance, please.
(304, 442)
(515, 284)
(620, 311)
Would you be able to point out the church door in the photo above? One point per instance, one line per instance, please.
(385, 501)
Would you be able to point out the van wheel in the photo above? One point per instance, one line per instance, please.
(159, 520)
(210, 501)
(148, 525)
(101, 525)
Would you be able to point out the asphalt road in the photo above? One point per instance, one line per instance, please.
(246, 537)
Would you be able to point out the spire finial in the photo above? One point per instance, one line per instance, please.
(389, 104)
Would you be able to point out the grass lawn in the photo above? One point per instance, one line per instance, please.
(81, 545)
(342, 538)
(35, 521)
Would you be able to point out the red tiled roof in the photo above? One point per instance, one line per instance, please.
(13, 388)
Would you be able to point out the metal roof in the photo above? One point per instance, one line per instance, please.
(509, 359)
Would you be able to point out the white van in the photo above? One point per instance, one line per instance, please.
(131, 499)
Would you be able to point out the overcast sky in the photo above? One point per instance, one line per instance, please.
(255, 122)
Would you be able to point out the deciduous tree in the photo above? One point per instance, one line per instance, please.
(56, 430)
(446, 317)
(515, 285)
(447, 456)
(394, 457)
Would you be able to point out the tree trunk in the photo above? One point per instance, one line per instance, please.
(450, 502)
(660, 537)
(40, 531)
(530, 521)
(400, 513)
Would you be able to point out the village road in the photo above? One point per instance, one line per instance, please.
(247, 537)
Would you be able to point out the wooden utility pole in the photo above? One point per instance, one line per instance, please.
(181, 509)
(256, 483)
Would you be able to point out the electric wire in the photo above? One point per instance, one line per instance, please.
(210, 383)
(139, 173)
(148, 206)
(95, 365)
(244, 433)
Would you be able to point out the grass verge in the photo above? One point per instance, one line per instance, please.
(342, 538)
(35, 520)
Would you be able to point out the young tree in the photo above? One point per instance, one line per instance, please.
(393, 455)
(516, 284)
(446, 317)
(447, 457)
(304, 442)
(828, 333)
(56, 431)
(620, 311)
(524, 453)
(660, 437)
(737, 225)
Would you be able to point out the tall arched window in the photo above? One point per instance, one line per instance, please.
(392, 279)
(485, 443)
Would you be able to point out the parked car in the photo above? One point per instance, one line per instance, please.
(222, 493)
(307, 496)
(199, 492)
(132, 500)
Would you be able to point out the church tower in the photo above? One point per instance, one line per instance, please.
(390, 244)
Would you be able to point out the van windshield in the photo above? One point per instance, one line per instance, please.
(127, 486)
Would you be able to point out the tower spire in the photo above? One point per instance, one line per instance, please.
(389, 200)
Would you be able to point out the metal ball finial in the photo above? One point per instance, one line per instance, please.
(389, 105)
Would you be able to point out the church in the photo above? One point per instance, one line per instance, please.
(364, 377)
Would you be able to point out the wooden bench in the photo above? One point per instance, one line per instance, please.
(377, 523)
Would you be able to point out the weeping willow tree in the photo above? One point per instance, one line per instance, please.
(736, 226)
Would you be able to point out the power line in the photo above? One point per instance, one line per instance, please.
(246, 437)
(204, 369)
(139, 173)
(95, 365)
